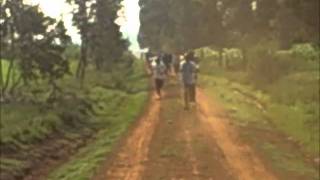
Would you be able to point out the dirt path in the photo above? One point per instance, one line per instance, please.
(241, 158)
(169, 143)
(128, 163)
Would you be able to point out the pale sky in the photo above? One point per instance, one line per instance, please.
(129, 21)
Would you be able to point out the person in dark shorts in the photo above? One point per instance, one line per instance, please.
(188, 71)
(159, 76)
(176, 63)
(167, 60)
(148, 59)
(194, 60)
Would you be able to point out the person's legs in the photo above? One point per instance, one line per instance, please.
(186, 96)
(176, 69)
(159, 84)
(167, 68)
(193, 93)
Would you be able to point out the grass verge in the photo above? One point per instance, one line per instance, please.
(278, 131)
(83, 122)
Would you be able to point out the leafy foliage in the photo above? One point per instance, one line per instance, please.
(188, 24)
(306, 52)
(100, 37)
(35, 41)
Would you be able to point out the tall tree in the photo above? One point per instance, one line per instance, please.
(180, 25)
(34, 41)
(223, 23)
(81, 19)
(100, 36)
(107, 44)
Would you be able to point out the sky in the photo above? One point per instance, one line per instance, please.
(128, 20)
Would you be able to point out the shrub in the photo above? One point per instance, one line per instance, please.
(265, 67)
(305, 52)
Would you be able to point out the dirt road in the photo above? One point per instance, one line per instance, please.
(170, 143)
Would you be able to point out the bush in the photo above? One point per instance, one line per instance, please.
(265, 67)
(232, 58)
(296, 87)
(305, 52)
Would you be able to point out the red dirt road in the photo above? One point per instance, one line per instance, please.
(240, 157)
(169, 143)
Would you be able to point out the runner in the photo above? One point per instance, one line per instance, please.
(148, 60)
(159, 75)
(193, 87)
(167, 60)
(176, 63)
(188, 71)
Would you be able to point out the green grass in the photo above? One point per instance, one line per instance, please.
(26, 123)
(289, 120)
(171, 151)
(5, 69)
(291, 103)
(98, 107)
(292, 120)
(288, 161)
(288, 106)
(83, 165)
(10, 164)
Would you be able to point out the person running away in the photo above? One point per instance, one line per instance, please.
(167, 60)
(176, 63)
(195, 61)
(148, 60)
(159, 76)
(188, 70)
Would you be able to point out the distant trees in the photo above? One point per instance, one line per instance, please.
(81, 17)
(298, 21)
(107, 44)
(101, 39)
(72, 52)
(186, 24)
(34, 42)
(37, 47)
(180, 25)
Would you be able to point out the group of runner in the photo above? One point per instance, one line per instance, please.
(185, 66)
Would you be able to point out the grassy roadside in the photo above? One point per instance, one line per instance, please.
(273, 127)
(259, 127)
(102, 110)
(83, 165)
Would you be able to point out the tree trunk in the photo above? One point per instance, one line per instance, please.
(82, 63)
(220, 60)
(202, 54)
(15, 84)
(79, 67)
(227, 63)
(1, 74)
(1, 81)
(245, 59)
(8, 76)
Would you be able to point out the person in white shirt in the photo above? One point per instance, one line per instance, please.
(188, 70)
(159, 75)
(176, 63)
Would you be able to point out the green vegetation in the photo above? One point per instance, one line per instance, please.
(101, 109)
(190, 24)
(57, 97)
(114, 122)
(286, 105)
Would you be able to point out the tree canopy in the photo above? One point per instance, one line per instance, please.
(33, 41)
(185, 24)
